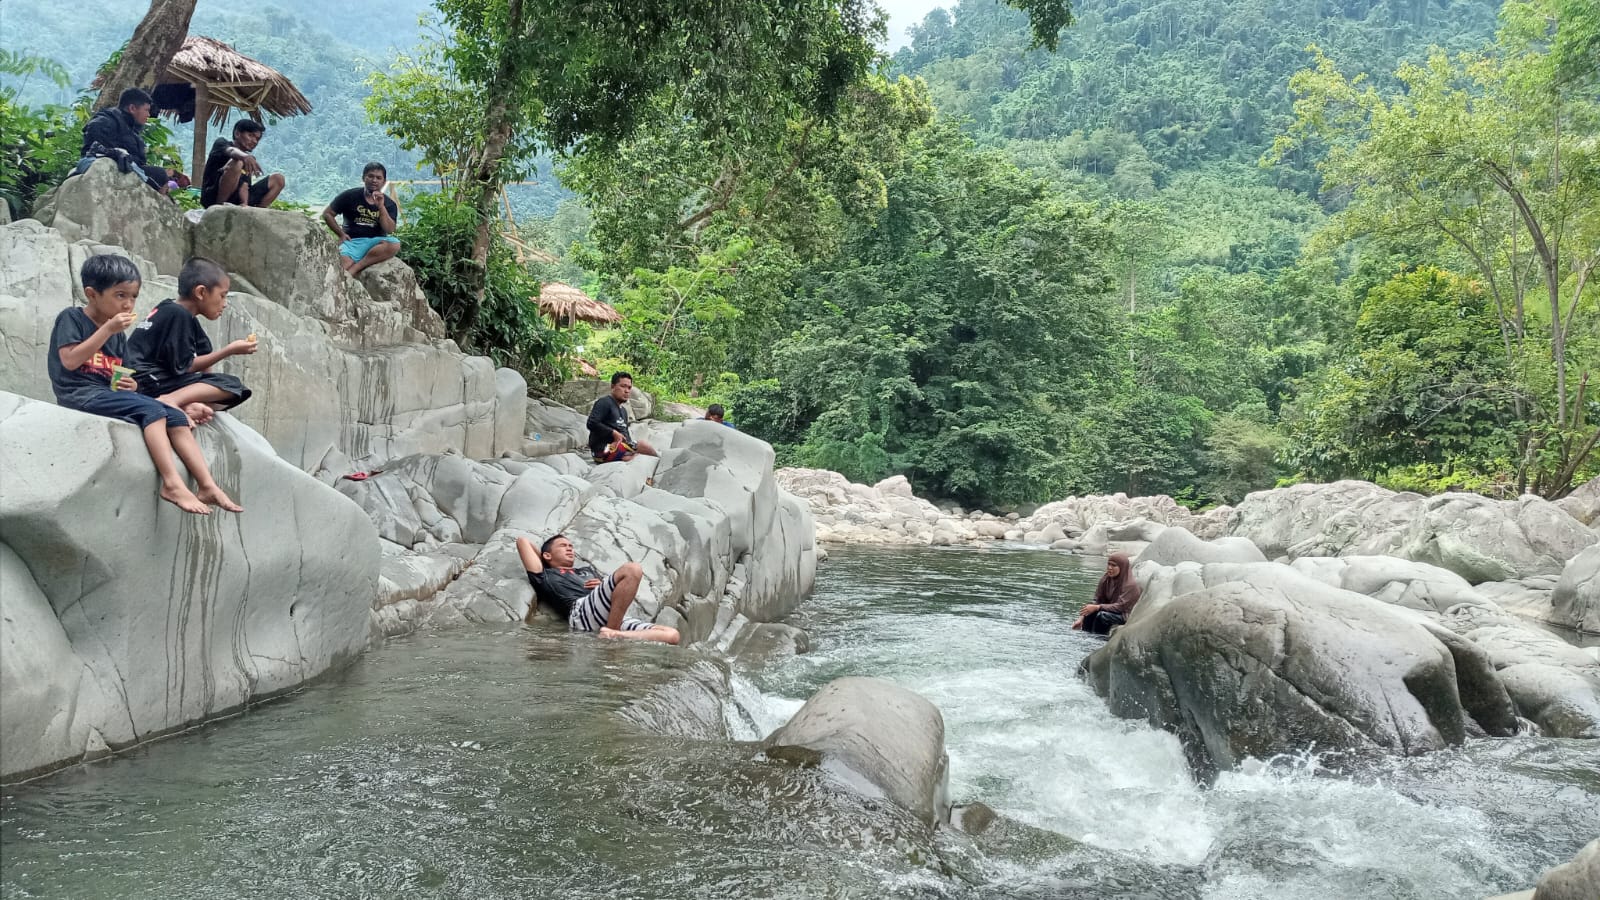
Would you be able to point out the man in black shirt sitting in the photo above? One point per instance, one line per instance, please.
(367, 236)
(230, 166)
(587, 601)
(609, 439)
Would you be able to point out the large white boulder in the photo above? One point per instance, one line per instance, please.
(1253, 670)
(1576, 879)
(109, 207)
(878, 738)
(127, 619)
(1575, 602)
(344, 379)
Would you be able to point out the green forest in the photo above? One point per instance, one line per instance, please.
(1186, 247)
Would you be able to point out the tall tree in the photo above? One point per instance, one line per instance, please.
(155, 40)
(1494, 154)
(562, 75)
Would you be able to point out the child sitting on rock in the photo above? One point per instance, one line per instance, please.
(87, 347)
(171, 356)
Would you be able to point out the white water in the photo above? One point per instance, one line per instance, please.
(1028, 737)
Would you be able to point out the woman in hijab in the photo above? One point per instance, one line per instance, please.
(1114, 598)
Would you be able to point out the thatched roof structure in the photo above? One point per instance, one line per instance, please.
(207, 79)
(565, 303)
(233, 81)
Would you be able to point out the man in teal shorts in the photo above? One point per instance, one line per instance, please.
(366, 237)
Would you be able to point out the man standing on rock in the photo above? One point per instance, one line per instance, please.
(609, 440)
(589, 602)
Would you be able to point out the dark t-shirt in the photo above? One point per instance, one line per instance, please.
(166, 343)
(215, 163)
(606, 416)
(360, 218)
(561, 588)
(73, 326)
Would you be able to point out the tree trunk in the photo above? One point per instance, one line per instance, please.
(482, 182)
(157, 38)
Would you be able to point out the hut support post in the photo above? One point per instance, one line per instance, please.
(202, 118)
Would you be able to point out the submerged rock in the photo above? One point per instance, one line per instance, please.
(878, 737)
(126, 619)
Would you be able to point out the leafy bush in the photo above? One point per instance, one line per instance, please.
(38, 146)
(437, 234)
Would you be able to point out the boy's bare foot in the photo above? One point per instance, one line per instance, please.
(184, 499)
(215, 495)
(199, 413)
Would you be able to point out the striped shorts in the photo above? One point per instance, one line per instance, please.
(594, 610)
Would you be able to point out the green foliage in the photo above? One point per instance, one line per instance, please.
(38, 145)
(438, 233)
(954, 336)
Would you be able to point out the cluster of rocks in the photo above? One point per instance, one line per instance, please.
(1403, 652)
(889, 513)
(127, 619)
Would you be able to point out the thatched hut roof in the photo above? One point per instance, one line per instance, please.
(565, 303)
(234, 81)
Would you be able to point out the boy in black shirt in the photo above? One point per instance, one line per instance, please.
(367, 235)
(230, 166)
(587, 601)
(86, 372)
(171, 355)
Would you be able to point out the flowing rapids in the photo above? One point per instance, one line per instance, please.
(496, 763)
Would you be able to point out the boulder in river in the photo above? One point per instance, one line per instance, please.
(1244, 670)
(879, 738)
(1578, 879)
(1575, 602)
(126, 618)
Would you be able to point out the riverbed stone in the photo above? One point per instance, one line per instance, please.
(1575, 602)
(196, 617)
(1576, 879)
(1176, 544)
(1252, 670)
(109, 206)
(877, 737)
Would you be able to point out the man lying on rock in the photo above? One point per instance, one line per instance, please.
(609, 439)
(589, 602)
(1114, 598)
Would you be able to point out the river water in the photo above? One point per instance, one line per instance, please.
(490, 763)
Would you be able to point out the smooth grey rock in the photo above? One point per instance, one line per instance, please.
(1583, 503)
(879, 738)
(1577, 879)
(107, 206)
(158, 619)
(1563, 702)
(1251, 670)
(581, 393)
(760, 644)
(1476, 537)
(551, 428)
(689, 705)
(1575, 602)
(1175, 544)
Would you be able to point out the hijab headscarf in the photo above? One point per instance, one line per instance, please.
(1118, 593)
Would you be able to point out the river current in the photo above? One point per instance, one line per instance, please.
(499, 762)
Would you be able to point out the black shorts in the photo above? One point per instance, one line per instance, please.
(150, 387)
(127, 406)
